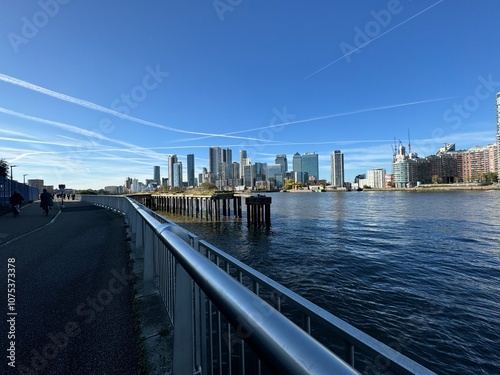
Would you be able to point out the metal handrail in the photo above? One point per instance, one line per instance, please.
(280, 344)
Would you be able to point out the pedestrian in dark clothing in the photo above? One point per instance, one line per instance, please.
(46, 201)
(16, 200)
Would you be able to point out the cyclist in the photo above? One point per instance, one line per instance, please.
(16, 199)
(46, 201)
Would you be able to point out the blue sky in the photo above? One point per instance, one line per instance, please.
(93, 92)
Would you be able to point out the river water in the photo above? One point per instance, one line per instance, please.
(419, 271)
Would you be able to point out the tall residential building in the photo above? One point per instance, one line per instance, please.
(172, 159)
(190, 169)
(177, 175)
(477, 161)
(498, 136)
(214, 162)
(156, 174)
(247, 175)
(310, 165)
(281, 160)
(337, 164)
(376, 178)
(243, 161)
(227, 164)
(236, 170)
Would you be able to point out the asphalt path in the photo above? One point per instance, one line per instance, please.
(66, 293)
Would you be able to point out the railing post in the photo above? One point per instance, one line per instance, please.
(149, 274)
(183, 322)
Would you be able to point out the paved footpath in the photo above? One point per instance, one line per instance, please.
(66, 293)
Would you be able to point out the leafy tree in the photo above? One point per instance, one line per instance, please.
(207, 185)
(4, 168)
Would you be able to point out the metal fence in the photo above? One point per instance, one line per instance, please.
(230, 319)
(8, 186)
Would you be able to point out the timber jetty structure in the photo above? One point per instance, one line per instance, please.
(211, 206)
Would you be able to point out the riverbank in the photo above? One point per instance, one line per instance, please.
(443, 187)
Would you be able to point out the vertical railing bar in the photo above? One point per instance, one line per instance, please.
(219, 339)
(229, 349)
(349, 353)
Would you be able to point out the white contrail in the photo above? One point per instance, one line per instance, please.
(391, 106)
(90, 134)
(375, 38)
(96, 107)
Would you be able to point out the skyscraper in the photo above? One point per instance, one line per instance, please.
(190, 169)
(297, 167)
(227, 164)
(177, 175)
(281, 160)
(156, 175)
(214, 162)
(243, 161)
(172, 159)
(337, 164)
(310, 165)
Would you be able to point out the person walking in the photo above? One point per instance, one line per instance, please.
(16, 200)
(46, 201)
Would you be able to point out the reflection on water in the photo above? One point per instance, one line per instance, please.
(415, 268)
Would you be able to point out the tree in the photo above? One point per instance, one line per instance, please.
(4, 168)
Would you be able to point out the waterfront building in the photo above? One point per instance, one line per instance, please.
(214, 162)
(376, 178)
(248, 175)
(156, 174)
(297, 167)
(275, 175)
(281, 160)
(172, 159)
(337, 168)
(236, 173)
(177, 175)
(243, 161)
(310, 165)
(190, 170)
(478, 161)
(226, 167)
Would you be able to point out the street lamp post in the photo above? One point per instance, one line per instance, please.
(25, 187)
(11, 178)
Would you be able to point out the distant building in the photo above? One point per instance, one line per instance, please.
(177, 175)
(156, 174)
(275, 175)
(36, 183)
(297, 167)
(310, 165)
(247, 175)
(478, 161)
(337, 168)
(376, 178)
(172, 159)
(190, 170)
(243, 161)
(281, 160)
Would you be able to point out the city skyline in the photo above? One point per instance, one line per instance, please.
(91, 96)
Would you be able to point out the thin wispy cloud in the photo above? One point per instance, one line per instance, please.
(373, 39)
(99, 108)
